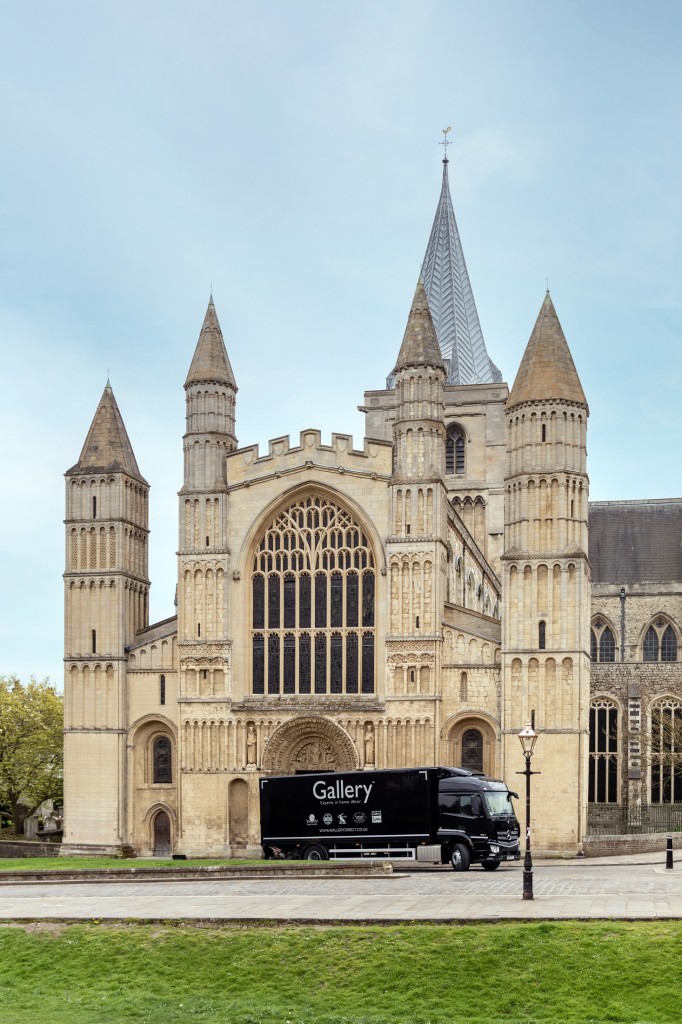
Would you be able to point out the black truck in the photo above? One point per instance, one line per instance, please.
(424, 814)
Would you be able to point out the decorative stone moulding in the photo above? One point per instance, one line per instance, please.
(309, 744)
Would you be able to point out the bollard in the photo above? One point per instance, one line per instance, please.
(669, 851)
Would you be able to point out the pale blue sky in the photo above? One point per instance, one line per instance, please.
(288, 154)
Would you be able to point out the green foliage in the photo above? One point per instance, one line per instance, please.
(31, 746)
(508, 973)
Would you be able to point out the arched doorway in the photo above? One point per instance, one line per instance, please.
(161, 832)
(309, 744)
(238, 812)
(471, 743)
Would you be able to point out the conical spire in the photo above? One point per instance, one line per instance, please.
(451, 299)
(107, 447)
(420, 344)
(210, 361)
(547, 369)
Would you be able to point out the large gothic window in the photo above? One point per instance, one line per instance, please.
(313, 587)
(454, 450)
(603, 779)
(660, 642)
(602, 642)
(666, 751)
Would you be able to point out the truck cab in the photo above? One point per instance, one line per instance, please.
(476, 820)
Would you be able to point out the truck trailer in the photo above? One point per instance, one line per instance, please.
(438, 815)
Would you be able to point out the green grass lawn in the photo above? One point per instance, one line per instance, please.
(573, 973)
(88, 863)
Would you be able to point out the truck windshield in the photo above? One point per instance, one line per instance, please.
(497, 803)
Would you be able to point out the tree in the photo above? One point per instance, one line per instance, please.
(31, 746)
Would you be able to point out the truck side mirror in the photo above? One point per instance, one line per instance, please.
(511, 794)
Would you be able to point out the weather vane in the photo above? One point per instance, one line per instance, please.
(446, 142)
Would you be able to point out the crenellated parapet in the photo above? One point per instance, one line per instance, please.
(247, 465)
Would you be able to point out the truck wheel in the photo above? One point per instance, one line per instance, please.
(459, 858)
(490, 865)
(315, 852)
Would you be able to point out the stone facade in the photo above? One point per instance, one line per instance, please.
(412, 601)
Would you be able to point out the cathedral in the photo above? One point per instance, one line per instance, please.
(413, 600)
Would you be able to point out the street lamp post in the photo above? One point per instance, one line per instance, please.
(527, 737)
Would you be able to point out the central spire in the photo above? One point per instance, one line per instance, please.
(451, 299)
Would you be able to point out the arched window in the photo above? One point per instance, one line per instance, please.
(161, 760)
(668, 645)
(602, 642)
(542, 635)
(454, 450)
(603, 778)
(313, 599)
(650, 646)
(666, 751)
(660, 642)
(472, 750)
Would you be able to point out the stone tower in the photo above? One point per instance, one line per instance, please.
(204, 561)
(106, 603)
(546, 584)
(416, 545)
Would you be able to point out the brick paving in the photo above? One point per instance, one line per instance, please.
(624, 888)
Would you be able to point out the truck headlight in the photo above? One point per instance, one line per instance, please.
(494, 848)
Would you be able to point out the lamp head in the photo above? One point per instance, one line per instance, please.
(527, 738)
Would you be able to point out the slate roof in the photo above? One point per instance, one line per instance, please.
(420, 344)
(451, 299)
(107, 447)
(547, 369)
(210, 362)
(635, 541)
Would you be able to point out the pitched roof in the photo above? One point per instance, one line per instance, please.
(547, 369)
(420, 345)
(635, 541)
(451, 299)
(210, 361)
(107, 447)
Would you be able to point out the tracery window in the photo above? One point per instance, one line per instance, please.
(454, 450)
(660, 642)
(603, 772)
(313, 598)
(161, 760)
(602, 642)
(666, 751)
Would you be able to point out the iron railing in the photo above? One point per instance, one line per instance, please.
(622, 819)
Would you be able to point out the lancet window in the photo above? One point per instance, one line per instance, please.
(313, 601)
(472, 750)
(161, 758)
(660, 642)
(455, 450)
(603, 777)
(602, 642)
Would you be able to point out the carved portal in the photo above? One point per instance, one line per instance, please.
(309, 744)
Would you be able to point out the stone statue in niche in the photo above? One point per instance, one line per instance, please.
(369, 744)
(251, 746)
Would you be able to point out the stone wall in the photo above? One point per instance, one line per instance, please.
(18, 849)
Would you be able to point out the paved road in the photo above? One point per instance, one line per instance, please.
(625, 888)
